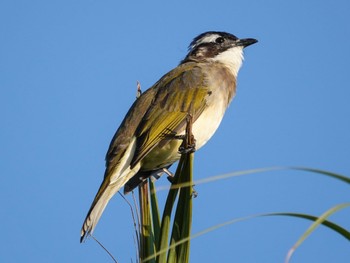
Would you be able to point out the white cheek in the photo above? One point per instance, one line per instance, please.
(232, 58)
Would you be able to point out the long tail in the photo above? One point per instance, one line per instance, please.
(111, 184)
(104, 194)
(99, 204)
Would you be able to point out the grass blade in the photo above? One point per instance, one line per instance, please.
(340, 230)
(155, 211)
(162, 246)
(147, 245)
(183, 217)
(340, 177)
(327, 173)
(320, 220)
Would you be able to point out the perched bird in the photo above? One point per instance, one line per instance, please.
(202, 85)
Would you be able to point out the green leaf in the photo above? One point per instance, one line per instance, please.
(147, 245)
(340, 230)
(183, 217)
(317, 221)
(155, 211)
(163, 246)
(327, 173)
(340, 177)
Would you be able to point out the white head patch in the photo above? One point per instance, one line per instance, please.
(206, 39)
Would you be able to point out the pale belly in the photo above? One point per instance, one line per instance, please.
(207, 124)
(203, 129)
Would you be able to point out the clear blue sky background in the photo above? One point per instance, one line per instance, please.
(68, 72)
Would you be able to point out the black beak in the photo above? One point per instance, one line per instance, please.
(246, 42)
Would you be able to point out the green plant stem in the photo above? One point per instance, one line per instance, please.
(155, 211)
(183, 217)
(147, 245)
(164, 230)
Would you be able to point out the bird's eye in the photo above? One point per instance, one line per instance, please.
(219, 40)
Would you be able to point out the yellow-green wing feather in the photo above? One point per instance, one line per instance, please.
(180, 93)
(127, 129)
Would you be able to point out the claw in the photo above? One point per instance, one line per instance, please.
(188, 149)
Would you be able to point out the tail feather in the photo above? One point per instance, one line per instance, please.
(105, 193)
(98, 206)
(111, 184)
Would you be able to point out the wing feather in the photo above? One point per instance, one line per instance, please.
(159, 113)
(178, 95)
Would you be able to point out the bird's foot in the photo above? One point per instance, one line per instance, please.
(187, 148)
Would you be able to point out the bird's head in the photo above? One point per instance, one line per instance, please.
(218, 47)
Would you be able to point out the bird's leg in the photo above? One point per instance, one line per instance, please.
(156, 176)
(189, 143)
(170, 176)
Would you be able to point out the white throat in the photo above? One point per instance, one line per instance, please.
(231, 58)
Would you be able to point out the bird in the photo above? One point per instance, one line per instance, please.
(147, 141)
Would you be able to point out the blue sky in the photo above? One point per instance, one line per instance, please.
(68, 72)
